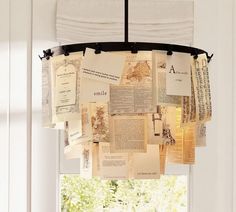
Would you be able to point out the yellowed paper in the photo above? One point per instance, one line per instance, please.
(65, 71)
(135, 93)
(183, 151)
(163, 155)
(200, 135)
(128, 133)
(159, 69)
(88, 160)
(178, 76)
(146, 165)
(201, 88)
(112, 165)
(105, 67)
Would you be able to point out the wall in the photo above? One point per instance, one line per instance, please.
(212, 176)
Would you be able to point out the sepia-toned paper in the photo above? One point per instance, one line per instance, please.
(168, 115)
(201, 88)
(46, 95)
(99, 122)
(200, 131)
(94, 91)
(74, 130)
(159, 68)
(105, 66)
(183, 151)
(112, 165)
(89, 166)
(146, 165)
(72, 151)
(178, 77)
(155, 127)
(163, 155)
(65, 72)
(188, 107)
(86, 126)
(128, 133)
(135, 93)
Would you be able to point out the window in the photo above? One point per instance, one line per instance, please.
(168, 194)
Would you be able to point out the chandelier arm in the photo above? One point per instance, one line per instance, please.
(124, 46)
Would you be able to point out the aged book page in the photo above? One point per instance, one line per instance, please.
(99, 122)
(200, 135)
(188, 106)
(74, 129)
(89, 165)
(155, 127)
(159, 69)
(65, 72)
(201, 88)
(163, 156)
(46, 95)
(135, 92)
(146, 165)
(105, 67)
(178, 76)
(94, 91)
(112, 165)
(128, 133)
(183, 151)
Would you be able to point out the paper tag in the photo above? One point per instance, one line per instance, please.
(178, 76)
(106, 67)
(65, 85)
(94, 91)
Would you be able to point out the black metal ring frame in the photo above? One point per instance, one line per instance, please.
(123, 46)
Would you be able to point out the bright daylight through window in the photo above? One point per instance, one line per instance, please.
(167, 194)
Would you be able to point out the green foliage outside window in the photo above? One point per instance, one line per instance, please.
(169, 194)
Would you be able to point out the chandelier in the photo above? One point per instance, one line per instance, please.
(127, 108)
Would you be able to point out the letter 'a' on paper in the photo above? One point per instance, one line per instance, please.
(178, 75)
(105, 67)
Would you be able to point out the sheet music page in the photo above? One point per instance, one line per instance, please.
(128, 133)
(65, 72)
(112, 165)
